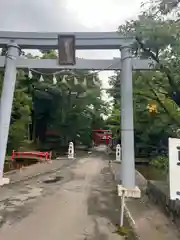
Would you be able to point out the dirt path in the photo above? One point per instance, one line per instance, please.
(78, 209)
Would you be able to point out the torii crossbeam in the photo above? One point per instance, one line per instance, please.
(49, 40)
(81, 64)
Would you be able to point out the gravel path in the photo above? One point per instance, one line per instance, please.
(79, 205)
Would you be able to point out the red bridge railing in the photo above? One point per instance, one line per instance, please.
(40, 156)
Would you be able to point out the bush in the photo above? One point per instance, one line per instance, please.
(17, 134)
(161, 163)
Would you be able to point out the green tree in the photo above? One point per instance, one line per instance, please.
(157, 36)
(19, 119)
(71, 109)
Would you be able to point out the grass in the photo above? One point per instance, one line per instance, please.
(123, 231)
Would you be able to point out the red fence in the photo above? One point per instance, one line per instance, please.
(40, 156)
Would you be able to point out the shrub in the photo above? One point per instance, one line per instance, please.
(161, 163)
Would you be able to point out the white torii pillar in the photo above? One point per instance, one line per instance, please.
(127, 125)
(6, 102)
(128, 187)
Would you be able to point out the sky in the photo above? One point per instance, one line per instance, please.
(69, 16)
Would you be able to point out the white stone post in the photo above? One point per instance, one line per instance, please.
(118, 153)
(71, 151)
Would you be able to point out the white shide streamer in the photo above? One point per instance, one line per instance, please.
(41, 79)
(64, 79)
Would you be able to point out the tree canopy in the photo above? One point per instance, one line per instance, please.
(156, 93)
(53, 113)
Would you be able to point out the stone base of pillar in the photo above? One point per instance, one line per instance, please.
(4, 181)
(129, 193)
(117, 161)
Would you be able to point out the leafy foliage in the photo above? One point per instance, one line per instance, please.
(157, 37)
(67, 110)
(161, 163)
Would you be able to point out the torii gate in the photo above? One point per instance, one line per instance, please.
(15, 41)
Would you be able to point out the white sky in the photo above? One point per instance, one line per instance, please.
(69, 16)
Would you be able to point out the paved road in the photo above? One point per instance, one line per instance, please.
(79, 207)
(150, 221)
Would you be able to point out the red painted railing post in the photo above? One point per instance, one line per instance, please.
(47, 156)
(12, 157)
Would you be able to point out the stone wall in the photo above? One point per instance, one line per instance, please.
(158, 192)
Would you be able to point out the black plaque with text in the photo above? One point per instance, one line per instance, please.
(66, 49)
